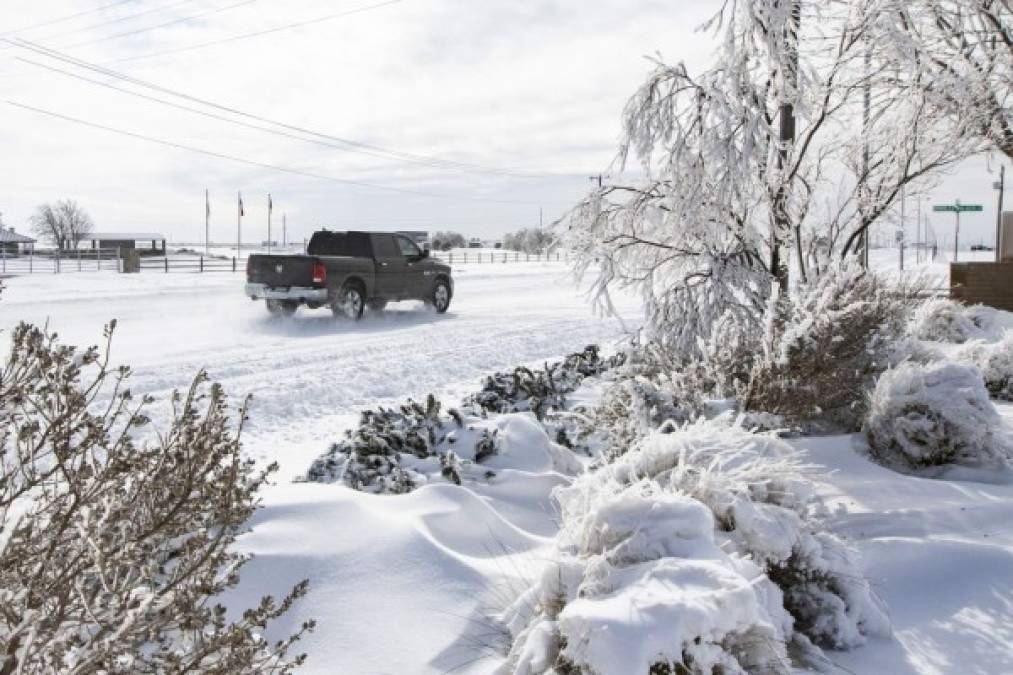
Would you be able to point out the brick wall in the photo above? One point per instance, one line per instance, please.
(988, 283)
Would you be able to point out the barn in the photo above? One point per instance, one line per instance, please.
(12, 243)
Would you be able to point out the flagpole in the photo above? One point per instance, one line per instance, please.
(207, 223)
(268, 223)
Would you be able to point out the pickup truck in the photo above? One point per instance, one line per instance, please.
(347, 271)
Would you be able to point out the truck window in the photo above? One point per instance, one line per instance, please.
(408, 248)
(384, 246)
(351, 244)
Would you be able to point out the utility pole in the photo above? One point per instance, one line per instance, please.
(284, 229)
(269, 207)
(902, 233)
(1001, 186)
(207, 223)
(539, 217)
(239, 227)
(918, 231)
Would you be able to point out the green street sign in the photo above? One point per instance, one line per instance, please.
(957, 208)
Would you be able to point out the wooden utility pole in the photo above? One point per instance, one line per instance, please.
(207, 223)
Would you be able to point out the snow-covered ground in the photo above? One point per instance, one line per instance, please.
(404, 584)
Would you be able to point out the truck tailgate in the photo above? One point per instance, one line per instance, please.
(281, 271)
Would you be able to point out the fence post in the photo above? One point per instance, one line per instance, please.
(56, 267)
(98, 259)
(202, 263)
(166, 259)
(79, 260)
(233, 263)
(31, 259)
(451, 258)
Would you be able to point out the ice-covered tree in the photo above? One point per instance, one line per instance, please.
(771, 163)
(960, 53)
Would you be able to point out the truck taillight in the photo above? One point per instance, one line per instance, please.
(319, 273)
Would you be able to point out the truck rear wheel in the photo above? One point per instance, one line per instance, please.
(285, 308)
(349, 303)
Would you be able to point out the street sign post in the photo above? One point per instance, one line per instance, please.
(957, 208)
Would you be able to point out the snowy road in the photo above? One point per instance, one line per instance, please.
(310, 375)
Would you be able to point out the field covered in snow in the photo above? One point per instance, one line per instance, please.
(408, 583)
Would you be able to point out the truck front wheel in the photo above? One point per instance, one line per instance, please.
(285, 308)
(349, 303)
(441, 296)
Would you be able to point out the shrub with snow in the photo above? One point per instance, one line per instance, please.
(540, 390)
(700, 550)
(934, 415)
(945, 320)
(395, 450)
(995, 361)
(825, 345)
(114, 553)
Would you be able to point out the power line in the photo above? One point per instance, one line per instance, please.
(203, 45)
(68, 17)
(262, 165)
(121, 19)
(356, 146)
(171, 22)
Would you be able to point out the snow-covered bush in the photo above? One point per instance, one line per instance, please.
(395, 450)
(934, 415)
(113, 552)
(995, 361)
(825, 345)
(945, 320)
(377, 455)
(540, 390)
(700, 550)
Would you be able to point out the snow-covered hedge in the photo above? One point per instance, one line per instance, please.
(395, 450)
(995, 361)
(934, 415)
(539, 390)
(700, 551)
(944, 320)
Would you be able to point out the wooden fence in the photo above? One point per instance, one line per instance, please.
(196, 264)
(55, 261)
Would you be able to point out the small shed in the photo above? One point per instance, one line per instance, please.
(147, 243)
(12, 243)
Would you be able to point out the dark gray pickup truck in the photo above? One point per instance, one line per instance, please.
(347, 271)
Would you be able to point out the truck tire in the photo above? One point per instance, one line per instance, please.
(377, 304)
(283, 308)
(440, 299)
(349, 303)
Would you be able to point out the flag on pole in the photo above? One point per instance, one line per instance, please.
(241, 204)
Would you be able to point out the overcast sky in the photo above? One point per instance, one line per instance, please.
(493, 109)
